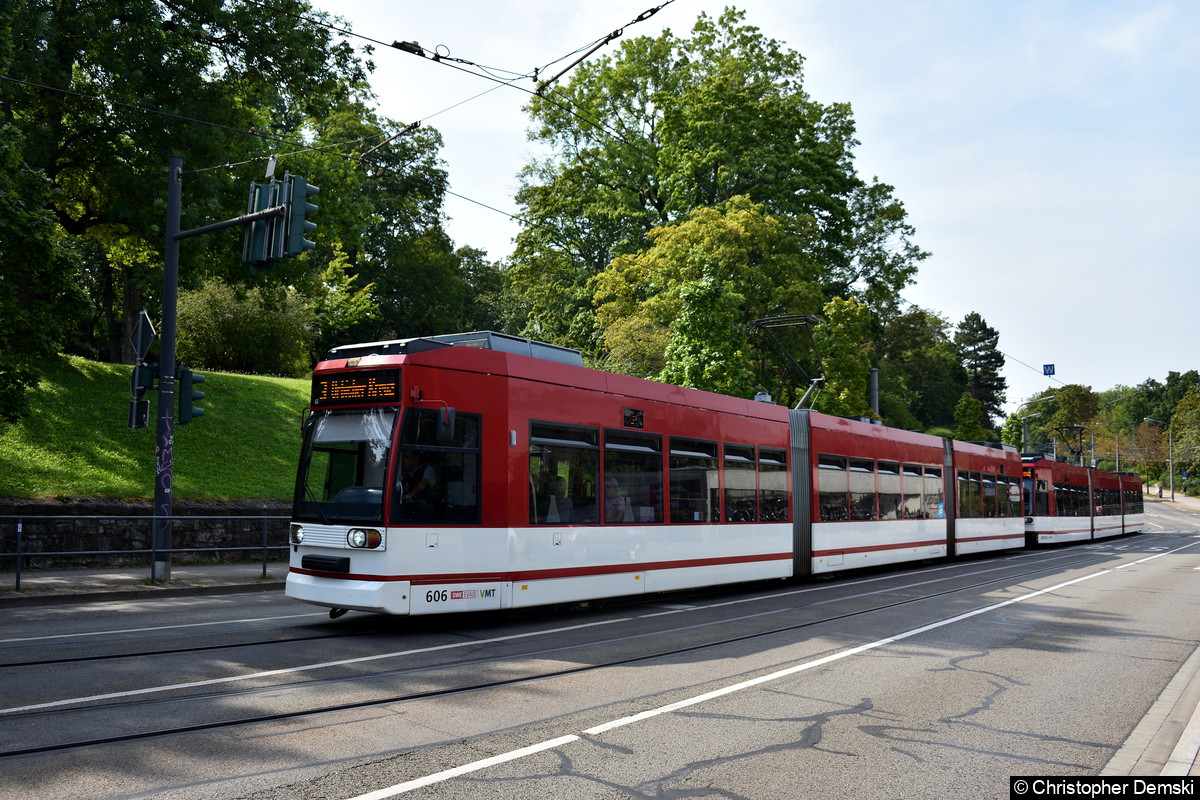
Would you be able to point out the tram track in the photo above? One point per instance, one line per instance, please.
(60, 717)
(49, 662)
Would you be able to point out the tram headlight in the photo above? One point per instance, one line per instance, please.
(364, 538)
(296, 536)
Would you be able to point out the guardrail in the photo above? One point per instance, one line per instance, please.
(21, 554)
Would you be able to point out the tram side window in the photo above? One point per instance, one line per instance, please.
(935, 497)
(987, 495)
(1066, 500)
(964, 494)
(889, 490)
(633, 490)
(911, 499)
(772, 485)
(1133, 502)
(695, 495)
(1110, 501)
(564, 470)
(862, 489)
(437, 481)
(1004, 496)
(833, 487)
(970, 494)
(1079, 501)
(741, 490)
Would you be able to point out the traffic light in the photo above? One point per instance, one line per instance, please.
(298, 210)
(185, 380)
(140, 382)
(263, 240)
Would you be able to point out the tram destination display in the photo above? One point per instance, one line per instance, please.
(349, 388)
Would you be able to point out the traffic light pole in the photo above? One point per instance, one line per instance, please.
(164, 441)
(164, 447)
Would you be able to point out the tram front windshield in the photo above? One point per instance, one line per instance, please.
(343, 465)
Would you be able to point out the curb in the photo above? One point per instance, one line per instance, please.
(20, 599)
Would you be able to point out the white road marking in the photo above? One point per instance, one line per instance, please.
(512, 755)
(289, 670)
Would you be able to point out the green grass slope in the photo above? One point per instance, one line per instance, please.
(76, 441)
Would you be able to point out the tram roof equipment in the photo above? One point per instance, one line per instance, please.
(483, 340)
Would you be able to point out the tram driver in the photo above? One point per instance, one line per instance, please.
(418, 484)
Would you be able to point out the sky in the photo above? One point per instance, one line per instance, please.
(1047, 152)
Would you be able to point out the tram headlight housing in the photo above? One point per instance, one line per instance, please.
(364, 538)
(296, 534)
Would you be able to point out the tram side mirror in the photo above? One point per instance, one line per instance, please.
(445, 428)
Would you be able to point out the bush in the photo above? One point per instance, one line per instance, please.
(245, 330)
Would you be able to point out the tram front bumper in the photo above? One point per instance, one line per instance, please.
(381, 597)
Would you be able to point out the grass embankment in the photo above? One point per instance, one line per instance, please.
(76, 440)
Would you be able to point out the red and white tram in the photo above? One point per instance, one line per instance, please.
(884, 495)
(1068, 503)
(482, 471)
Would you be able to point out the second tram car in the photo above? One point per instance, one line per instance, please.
(1068, 503)
(482, 471)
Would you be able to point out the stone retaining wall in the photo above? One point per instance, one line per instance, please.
(101, 524)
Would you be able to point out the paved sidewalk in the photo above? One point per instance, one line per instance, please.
(1181, 500)
(58, 586)
(1167, 742)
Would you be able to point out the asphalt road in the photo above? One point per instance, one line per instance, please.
(940, 681)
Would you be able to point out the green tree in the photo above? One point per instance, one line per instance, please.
(921, 377)
(104, 92)
(846, 355)
(1161, 398)
(1185, 422)
(1039, 416)
(967, 414)
(36, 286)
(1070, 420)
(695, 292)
(338, 304)
(483, 309)
(667, 126)
(977, 345)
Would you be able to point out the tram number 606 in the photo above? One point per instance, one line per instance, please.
(437, 596)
